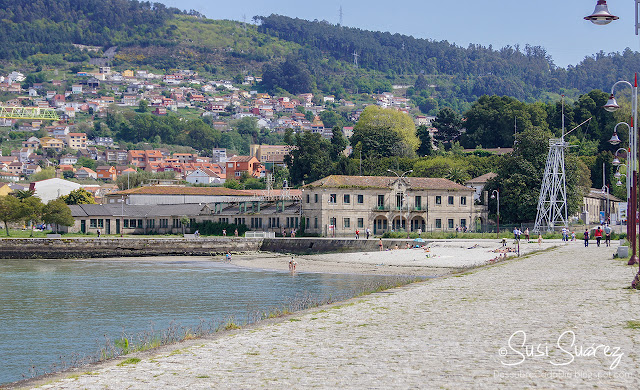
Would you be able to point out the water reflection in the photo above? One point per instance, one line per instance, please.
(50, 308)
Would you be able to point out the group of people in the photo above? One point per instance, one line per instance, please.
(517, 234)
(597, 234)
(367, 232)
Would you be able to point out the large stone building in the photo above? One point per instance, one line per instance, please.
(338, 205)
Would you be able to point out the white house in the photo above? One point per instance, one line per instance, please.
(204, 176)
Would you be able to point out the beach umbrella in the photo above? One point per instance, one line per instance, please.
(419, 239)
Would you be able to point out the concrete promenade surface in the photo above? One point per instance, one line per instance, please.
(556, 319)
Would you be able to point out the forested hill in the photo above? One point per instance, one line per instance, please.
(50, 26)
(521, 72)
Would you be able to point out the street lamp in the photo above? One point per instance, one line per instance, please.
(601, 16)
(495, 194)
(402, 195)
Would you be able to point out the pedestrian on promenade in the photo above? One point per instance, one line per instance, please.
(380, 244)
(586, 237)
(99, 233)
(526, 234)
(368, 231)
(607, 235)
(539, 239)
(598, 235)
(357, 234)
(573, 236)
(565, 234)
(235, 233)
(224, 232)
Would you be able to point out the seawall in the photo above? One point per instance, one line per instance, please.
(81, 247)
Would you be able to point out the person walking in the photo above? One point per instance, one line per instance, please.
(368, 231)
(607, 235)
(598, 235)
(586, 237)
(526, 234)
(357, 234)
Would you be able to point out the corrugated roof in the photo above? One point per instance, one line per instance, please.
(176, 190)
(415, 183)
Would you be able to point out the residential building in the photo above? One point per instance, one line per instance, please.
(249, 164)
(77, 141)
(85, 173)
(204, 176)
(478, 184)
(338, 205)
(106, 172)
(599, 207)
(52, 143)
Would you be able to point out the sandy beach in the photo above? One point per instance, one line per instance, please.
(443, 257)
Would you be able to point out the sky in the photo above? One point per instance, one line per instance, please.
(558, 26)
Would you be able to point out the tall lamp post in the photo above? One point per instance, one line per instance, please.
(402, 197)
(495, 194)
(616, 162)
(602, 16)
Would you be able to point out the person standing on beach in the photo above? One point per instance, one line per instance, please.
(380, 244)
(586, 237)
(224, 232)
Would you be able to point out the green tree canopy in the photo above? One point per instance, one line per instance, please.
(9, 211)
(385, 132)
(79, 196)
(310, 159)
(57, 213)
(448, 123)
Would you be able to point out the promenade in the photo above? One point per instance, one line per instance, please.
(563, 318)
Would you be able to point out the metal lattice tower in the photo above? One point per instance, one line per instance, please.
(552, 204)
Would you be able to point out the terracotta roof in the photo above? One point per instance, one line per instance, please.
(416, 183)
(176, 190)
(240, 158)
(483, 178)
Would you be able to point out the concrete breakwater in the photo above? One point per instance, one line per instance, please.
(81, 247)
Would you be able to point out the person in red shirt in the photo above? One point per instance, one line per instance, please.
(598, 235)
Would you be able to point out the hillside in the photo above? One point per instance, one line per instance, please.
(46, 33)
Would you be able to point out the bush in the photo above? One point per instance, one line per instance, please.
(210, 228)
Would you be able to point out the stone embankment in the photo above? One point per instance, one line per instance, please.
(562, 318)
(81, 247)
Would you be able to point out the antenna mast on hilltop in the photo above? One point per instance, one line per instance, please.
(355, 58)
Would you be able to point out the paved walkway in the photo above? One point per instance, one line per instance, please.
(455, 332)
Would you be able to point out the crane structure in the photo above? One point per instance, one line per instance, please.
(28, 113)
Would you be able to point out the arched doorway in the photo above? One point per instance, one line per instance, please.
(380, 225)
(418, 223)
(399, 223)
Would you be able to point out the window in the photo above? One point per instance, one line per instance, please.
(418, 202)
(347, 223)
(360, 199)
(315, 196)
(93, 223)
(438, 199)
(101, 223)
(450, 223)
(308, 197)
(463, 222)
(140, 223)
(450, 200)
(151, 223)
(381, 202)
(224, 220)
(332, 221)
(463, 200)
(346, 198)
(438, 224)
(133, 223)
(361, 223)
(332, 198)
(315, 222)
(164, 223)
(126, 223)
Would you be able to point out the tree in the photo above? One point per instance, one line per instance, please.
(421, 83)
(79, 196)
(184, 221)
(87, 163)
(233, 184)
(448, 123)
(386, 131)
(338, 143)
(425, 148)
(143, 106)
(47, 173)
(31, 210)
(23, 194)
(57, 213)
(9, 211)
(310, 159)
(331, 119)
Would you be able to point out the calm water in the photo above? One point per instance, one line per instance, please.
(54, 308)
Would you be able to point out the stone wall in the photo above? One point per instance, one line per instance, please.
(80, 247)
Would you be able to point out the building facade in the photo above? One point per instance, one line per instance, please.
(339, 205)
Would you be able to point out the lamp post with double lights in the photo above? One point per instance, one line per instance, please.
(602, 16)
(402, 198)
(616, 162)
(495, 194)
